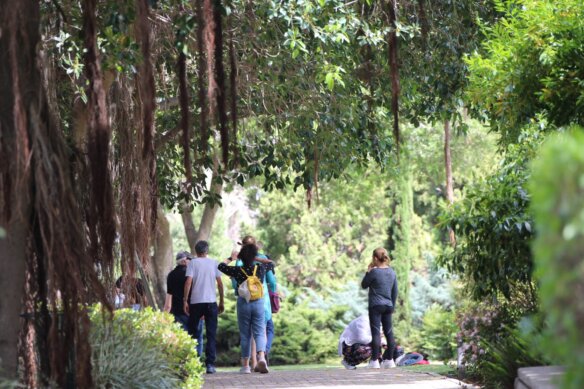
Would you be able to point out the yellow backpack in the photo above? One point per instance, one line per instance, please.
(251, 289)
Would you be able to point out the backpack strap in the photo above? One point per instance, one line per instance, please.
(255, 268)
(245, 272)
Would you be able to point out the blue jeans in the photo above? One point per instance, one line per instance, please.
(270, 335)
(209, 310)
(252, 321)
(183, 320)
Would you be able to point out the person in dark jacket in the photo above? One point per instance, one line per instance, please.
(175, 285)
(382, 283)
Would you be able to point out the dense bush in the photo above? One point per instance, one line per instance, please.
(438, 333)
(304, 333)
(142, 349)
(496, 339)
(514, 349)
(558, 205)
(531, 64)
(494, 227)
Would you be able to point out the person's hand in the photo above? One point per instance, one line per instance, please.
(234, 255)
(186, 307)
(221, 308)
(371, 266)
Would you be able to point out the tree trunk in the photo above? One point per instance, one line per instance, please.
(19, 86)
(208, 217)
(12, 276)
(190, 229)
(449, 182)
(163, 254)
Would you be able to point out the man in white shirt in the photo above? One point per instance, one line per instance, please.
(202, 274)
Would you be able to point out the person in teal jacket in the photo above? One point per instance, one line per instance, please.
(270, 285)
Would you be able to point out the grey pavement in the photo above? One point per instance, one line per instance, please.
(327, 378)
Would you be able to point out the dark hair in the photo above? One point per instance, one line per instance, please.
(248, 253)
(202, 247)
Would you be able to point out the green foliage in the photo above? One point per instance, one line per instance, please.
(435, 289)
(219, 242)
(400, 243)
(558, 205)
(434, 73)
(513, 350)
(330, 244)
(142, 349)
(438, 333)
(494, 227)
(531, 65)
(303, 333)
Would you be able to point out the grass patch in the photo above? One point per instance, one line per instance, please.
(445, 370)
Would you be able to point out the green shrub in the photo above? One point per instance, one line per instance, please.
(438, 333)
(558, 206)
(143, 349)
(515, 349)
(303, 333)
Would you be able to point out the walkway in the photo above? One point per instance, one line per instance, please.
(327, 378)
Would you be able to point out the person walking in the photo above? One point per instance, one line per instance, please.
(175, 287)
(382, 283)
(250, 313)
(202, 274)
(269, 286)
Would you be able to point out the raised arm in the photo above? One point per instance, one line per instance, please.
(366, 280)
(231, 271)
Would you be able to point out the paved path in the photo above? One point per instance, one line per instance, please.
(327, 378)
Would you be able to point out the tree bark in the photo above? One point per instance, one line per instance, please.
(12, 277)
(163, 254)
(190, 229)
(449, 181)
(19, 86)
(208, 217)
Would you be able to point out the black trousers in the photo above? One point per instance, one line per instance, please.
(210, 311)
(380, 316)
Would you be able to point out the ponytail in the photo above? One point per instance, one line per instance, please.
(381, 255)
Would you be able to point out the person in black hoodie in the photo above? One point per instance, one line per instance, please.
(175, 285)
(382, 283)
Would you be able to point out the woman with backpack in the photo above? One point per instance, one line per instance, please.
(270, 294)
(250, 304)
(382, 283)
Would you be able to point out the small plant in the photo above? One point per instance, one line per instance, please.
(143, 349)
(438, 333)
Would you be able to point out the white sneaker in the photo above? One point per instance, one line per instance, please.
(262, 366)
(388, 364)
(245, 370)
(374, 364)
(347, 366)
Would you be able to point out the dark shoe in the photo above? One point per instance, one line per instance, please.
(211, 369)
